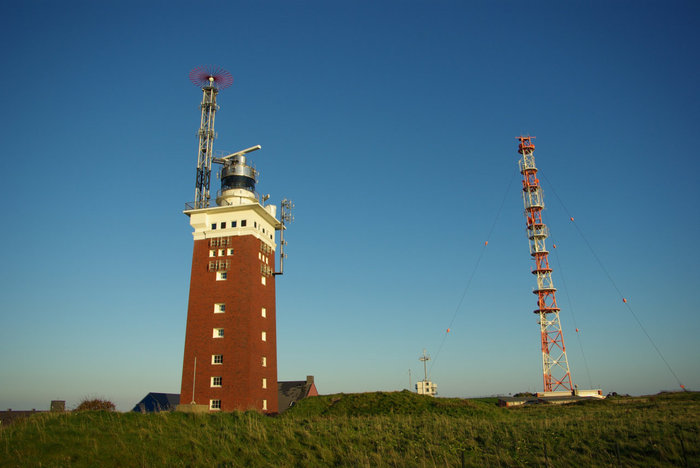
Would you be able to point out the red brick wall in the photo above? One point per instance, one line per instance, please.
(242, 347)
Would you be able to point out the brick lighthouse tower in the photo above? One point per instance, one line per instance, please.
(230, 358)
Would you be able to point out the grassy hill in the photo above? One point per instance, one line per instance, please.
(372, 429)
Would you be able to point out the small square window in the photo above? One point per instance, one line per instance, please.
(264, 405)
(264, 361)
(212, 253)
(263, 280)
(219, 308)
(263, 312)
(217, 358)
(221, 275)
(243, 223)
(218, 333)
(213, 226)
(264, 383)
(216, 381)
(263, 336)
(222, 252)
(230, 251)
(233, 224)
(223, 225)
(214, 404)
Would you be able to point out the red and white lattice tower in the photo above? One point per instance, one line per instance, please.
(555, 366)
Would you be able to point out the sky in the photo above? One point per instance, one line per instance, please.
(391, 125)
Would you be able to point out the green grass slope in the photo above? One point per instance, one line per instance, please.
(372, 429)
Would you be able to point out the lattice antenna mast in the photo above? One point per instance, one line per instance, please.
(211, 79)
(286, 217)
(425, 358)
(555, 365)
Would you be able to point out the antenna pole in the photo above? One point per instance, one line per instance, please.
(555, 365)
(286, 217)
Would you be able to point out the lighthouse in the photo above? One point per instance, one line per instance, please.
(230, 355)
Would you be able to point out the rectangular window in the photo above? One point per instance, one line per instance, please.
(263, 312)
(213, 226)
(255, 224)
(221, 276)
(263, 336)
(216, 381)
(212, 253)
(223, 225)
(218, 333)
(263, 280)
(230, 251)
(243, 223)
(219, 308)
(222, 252)
(264, 405)
(214, 404)
(264, 361)
(233, 224)
(217, 358)
(264, 383)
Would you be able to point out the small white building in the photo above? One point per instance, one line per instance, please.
(426, 387)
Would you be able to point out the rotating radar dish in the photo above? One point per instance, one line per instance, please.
(211, 75)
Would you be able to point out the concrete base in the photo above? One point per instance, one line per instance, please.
(192, 408)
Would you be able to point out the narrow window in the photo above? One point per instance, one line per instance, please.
(263, 312)
(263, 281)
(264, 361)
(218, 333)
(223, 225)
(230, 251)
(255, 224)
(263, 336)
(213, 226)
(217, 358)
(264, 405)
(222, 252)
(233, 224)
(214, 404)
(264, 383)
(216, 381)
(243, 223)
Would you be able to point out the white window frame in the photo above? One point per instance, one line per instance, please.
(218, 333)
(212, 253)
(264, 361)
(263, 280)
(213, 381)
(221, 276)
(230, 251)
(264, 406)
(263, 336)
(213, 359)
(220, 308)
(215, 405)
(263, 312)
(264, 382)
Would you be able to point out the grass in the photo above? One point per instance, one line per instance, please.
(372, 429)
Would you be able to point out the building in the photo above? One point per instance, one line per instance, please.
(426, 387)
(290, 392)
(230, 358)
(157, 402)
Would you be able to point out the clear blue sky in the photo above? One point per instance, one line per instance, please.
(391, 125)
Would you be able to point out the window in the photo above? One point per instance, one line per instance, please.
(263, 281)
(221, 276)
(217, 358)
(233, 224)
(222, 252)
(212, 253)
(223, 225)
(259, 256)
(263, 230)
(264, 361)
(263, 312)
(263, 336)
(216, 381)
(214, 404)
(264, 405)
(255, 224)
(264, 383)
(218, 333)
(243, 223)
(213, 226)
(219, 308)
(230, 251)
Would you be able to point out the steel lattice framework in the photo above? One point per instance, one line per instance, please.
(555, 365)
(211, 79)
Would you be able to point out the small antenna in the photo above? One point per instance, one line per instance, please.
(286, 217)
(425, 358)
